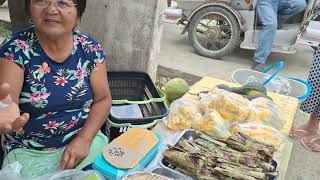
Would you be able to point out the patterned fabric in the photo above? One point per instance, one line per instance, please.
(312, 104)
(58, 96)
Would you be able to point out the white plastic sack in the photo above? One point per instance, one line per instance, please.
(12, 172)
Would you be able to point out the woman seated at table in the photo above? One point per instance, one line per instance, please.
(56, 77)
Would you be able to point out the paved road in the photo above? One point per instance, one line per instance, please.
(177, 53)
(4, 14)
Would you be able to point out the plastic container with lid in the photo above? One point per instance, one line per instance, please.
(111, 172)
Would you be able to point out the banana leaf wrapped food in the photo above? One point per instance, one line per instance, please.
(237, 157)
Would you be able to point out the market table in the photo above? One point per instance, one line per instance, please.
(287, 104)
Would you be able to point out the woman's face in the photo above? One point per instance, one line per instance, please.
(54, 17)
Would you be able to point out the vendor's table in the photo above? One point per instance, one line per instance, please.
(287, 104)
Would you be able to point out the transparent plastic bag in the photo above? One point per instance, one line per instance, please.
(13, 172)
(213, 124)
(207, 101)
(232, 107)
(182, 113)
(262, 133)
(145, 176)
(267, 112)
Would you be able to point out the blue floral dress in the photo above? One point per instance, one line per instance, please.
(58, 96)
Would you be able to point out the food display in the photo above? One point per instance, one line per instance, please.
(226, 133)
(206, 157)
(232, 107)
(236, 134)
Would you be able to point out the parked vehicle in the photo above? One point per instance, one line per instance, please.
(216, 27)
(2, 1)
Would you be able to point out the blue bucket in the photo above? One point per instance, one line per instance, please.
(298, 88)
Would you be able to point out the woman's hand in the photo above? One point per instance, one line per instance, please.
(75, 152)
(10, 119)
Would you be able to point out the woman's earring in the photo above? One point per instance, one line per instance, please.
(31, 22)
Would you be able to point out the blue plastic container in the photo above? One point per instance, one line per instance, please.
(110, 172)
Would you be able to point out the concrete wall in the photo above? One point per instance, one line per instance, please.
(129, 30)
(19, 19)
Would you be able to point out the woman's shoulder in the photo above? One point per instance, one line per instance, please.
(23, 34)
(18, 47)
(84, 38)
(88, 45)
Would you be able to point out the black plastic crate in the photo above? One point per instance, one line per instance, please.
(135, 88)
(132, 86)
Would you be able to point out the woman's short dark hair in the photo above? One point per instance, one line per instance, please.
(81, 6)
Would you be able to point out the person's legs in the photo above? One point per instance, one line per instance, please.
(310, 128)
(267, 12)
(288, 8)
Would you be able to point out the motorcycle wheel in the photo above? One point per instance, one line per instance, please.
(2, 1)
(214, 32)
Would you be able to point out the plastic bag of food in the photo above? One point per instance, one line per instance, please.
(206, 101)
(267, 112)
(213, 124)
(182, 113)
(262, 133)
(232, 107)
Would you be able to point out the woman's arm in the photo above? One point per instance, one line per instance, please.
(101, 103)
(78, 149)
(11, 74)
(11, 81)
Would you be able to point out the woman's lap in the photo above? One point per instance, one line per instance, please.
(37, 163)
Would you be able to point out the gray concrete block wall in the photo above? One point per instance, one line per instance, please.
(130, 32)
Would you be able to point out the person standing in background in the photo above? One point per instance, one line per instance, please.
(272, 13)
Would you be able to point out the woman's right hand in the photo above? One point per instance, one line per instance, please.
(10, 119)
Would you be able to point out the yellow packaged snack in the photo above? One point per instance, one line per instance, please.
(232, 106)
(182, 113)
(213, 124)
(262, 133)
(267, 112)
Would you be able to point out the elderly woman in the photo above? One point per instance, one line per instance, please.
(56, 77)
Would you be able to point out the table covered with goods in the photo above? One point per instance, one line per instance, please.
(217, 130)
(235, 137)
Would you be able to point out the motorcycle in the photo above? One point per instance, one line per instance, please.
(216, 27)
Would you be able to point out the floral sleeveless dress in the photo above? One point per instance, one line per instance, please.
(58, 96)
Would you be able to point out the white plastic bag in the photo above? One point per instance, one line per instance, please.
(75, 175)
(13, 172)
